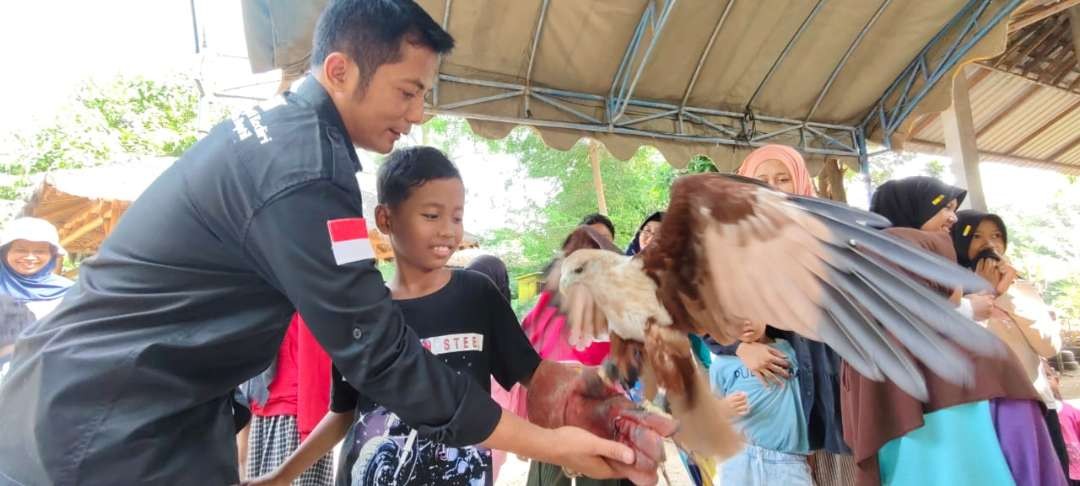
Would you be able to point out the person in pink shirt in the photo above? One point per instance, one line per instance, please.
(1069, 416)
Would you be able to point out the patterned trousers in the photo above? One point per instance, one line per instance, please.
(272, 440)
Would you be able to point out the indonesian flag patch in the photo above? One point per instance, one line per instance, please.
(349, 240)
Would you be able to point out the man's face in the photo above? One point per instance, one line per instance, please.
(393, 101)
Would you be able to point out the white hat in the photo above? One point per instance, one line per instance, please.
(32, 229)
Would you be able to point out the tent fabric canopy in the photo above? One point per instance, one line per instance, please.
(770, 59)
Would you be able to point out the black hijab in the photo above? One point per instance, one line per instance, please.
(635, 244)
(495, 270)
(963, 232)
(911, 202)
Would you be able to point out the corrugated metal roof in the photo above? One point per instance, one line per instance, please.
(1018, 121)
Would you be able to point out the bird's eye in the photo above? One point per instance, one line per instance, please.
(579, 269)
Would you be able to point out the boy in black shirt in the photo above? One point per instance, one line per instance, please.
(460, 317)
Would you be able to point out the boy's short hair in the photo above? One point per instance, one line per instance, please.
(408, 168)
(597, 218)
(371, 31)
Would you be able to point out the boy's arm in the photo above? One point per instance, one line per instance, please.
(513, 358)
(331, 429)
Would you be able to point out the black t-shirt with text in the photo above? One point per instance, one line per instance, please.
(472, 328)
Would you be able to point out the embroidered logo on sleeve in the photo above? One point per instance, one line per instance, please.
(454, 343)
(349, 240)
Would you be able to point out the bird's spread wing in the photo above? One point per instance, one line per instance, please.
(730, 252)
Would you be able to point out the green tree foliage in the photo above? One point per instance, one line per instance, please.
(104, 123)
(1045, 247)
(633, 189)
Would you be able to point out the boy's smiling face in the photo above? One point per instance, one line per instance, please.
(425, 229)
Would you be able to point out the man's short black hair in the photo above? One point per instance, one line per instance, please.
(371, 31)
(408, 168)
(597, 218)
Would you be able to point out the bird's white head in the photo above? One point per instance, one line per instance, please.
(584, 266)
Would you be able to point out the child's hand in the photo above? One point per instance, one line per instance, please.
(769, 364)
(738, 402)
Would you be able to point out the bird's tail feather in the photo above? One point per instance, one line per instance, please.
(705, 420)
(705, 424)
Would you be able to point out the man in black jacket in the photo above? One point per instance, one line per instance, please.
(129, 380)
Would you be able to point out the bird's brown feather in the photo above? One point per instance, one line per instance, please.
(705, 420)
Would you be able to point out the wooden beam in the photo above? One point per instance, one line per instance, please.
(1029, 80)
(112, 214)
(1035, 45)
(1028, 43)
(55, 211)
(82, 230)
(1074, 22)
(1067, 64)
(80, 220)
(1046, 126)
(598, 180)
(1040, 13)
(1013, 105)
(1068, 147)
(1014, 44)
(1056, 60)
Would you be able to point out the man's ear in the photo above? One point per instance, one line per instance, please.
(339, 72)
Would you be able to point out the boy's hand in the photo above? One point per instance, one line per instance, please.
(562, 395)
(769, 364)
(738, 402)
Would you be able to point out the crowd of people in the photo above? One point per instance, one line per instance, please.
(808, 417)
(220, 307)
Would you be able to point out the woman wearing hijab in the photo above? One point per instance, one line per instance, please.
(781, 167)
(646, 233)
(493, 268)
(927, 204)
(30, 250)
(918, 202)
(784, 169)
(953, 438)
(1019, 317)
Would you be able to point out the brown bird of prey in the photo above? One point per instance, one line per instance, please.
(733, 250)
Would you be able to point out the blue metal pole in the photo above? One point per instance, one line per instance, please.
(864, 164)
